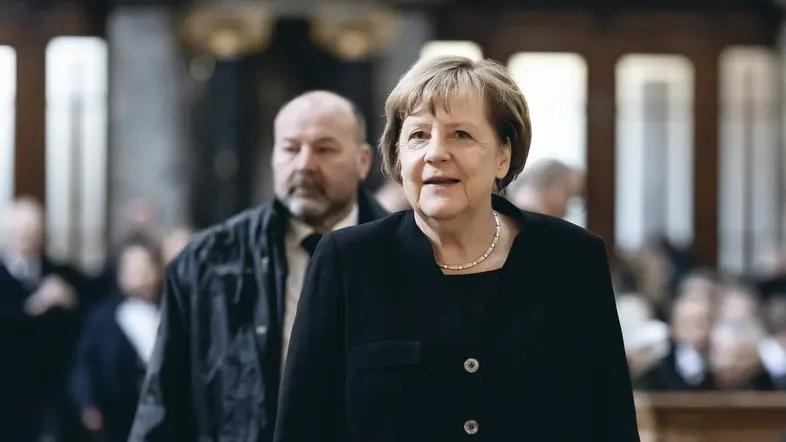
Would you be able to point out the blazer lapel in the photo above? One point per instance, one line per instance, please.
(418, 278)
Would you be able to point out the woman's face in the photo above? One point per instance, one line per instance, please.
(449, 161)
(138, 273)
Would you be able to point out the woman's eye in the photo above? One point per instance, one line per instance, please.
(462, 134)
(417, 135)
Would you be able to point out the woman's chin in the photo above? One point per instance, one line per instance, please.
(440, 208)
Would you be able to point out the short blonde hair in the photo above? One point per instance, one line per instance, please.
(433, 82)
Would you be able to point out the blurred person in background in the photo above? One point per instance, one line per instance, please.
(39, 322)
(391, 196)
(661, 267)
(646, 338)
(141, 220)
(770, 277)
(734, 355)
(772, 350)
(685, 367)
(116, 345)
(230, 297)
(139, 225)
(739, 301)
(546, 187)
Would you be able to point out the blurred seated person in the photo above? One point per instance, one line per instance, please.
(770, 275)
(772, 350)
(38, 325)
(685, 366)
(391, 196)
(174, 243)
(739, 301)
(116, 345)
(140, 220)
(624, 276)
(546, 187)
(646, 338)
(661, 267)
(734, 355)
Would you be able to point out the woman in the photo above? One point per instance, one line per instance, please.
(116, 344)
(464, 317)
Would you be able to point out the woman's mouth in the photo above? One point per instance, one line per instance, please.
(441, 181)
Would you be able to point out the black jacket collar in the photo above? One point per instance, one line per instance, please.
(418, 251)
(368, 210)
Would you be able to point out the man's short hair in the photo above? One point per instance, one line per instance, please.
(543, 174)
(357, 113)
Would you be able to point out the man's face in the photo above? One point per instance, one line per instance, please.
(26, 230)
(318, 161)
(692, 321)
(733, 358)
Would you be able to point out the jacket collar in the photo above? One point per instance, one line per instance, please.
(274, 219)
(368, 210)
(418, 252)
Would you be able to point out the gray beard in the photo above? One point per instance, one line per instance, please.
(310, 211)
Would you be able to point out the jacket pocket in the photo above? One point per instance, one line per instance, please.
(381, 380)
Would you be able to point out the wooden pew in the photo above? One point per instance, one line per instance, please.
(711, 417)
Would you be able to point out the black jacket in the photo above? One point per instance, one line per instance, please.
(380, 349)
(107, 372)
(215, 371)
(36, 353)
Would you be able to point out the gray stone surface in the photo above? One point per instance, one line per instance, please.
(149, 138)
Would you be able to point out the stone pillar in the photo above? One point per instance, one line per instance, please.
(149, 141)
(415, 30)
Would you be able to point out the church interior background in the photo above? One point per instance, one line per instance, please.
(674, 109)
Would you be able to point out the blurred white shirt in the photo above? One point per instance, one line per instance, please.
(139, 321)
(297, 264)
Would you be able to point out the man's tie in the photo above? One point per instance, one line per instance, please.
(310, 243)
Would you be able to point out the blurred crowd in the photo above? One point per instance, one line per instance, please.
(689, 329)
(75, 347)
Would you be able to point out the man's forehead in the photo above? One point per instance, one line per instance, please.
(313, 122)
(24, 212)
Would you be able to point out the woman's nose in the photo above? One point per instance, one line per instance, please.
(437, 150)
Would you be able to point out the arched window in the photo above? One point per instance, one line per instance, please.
(751, 157)
(654, 150)
(7, 123)
(555, 86)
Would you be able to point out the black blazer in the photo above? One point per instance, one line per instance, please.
(374, 354)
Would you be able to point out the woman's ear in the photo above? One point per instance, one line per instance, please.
(503, 164)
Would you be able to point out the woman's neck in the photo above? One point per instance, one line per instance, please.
(462, 239)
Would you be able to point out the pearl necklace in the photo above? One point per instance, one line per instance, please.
(482, 257)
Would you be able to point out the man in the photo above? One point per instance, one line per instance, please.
(546, 187)
(38, 329)
(231, 296)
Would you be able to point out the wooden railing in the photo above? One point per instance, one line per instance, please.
(712, 417)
